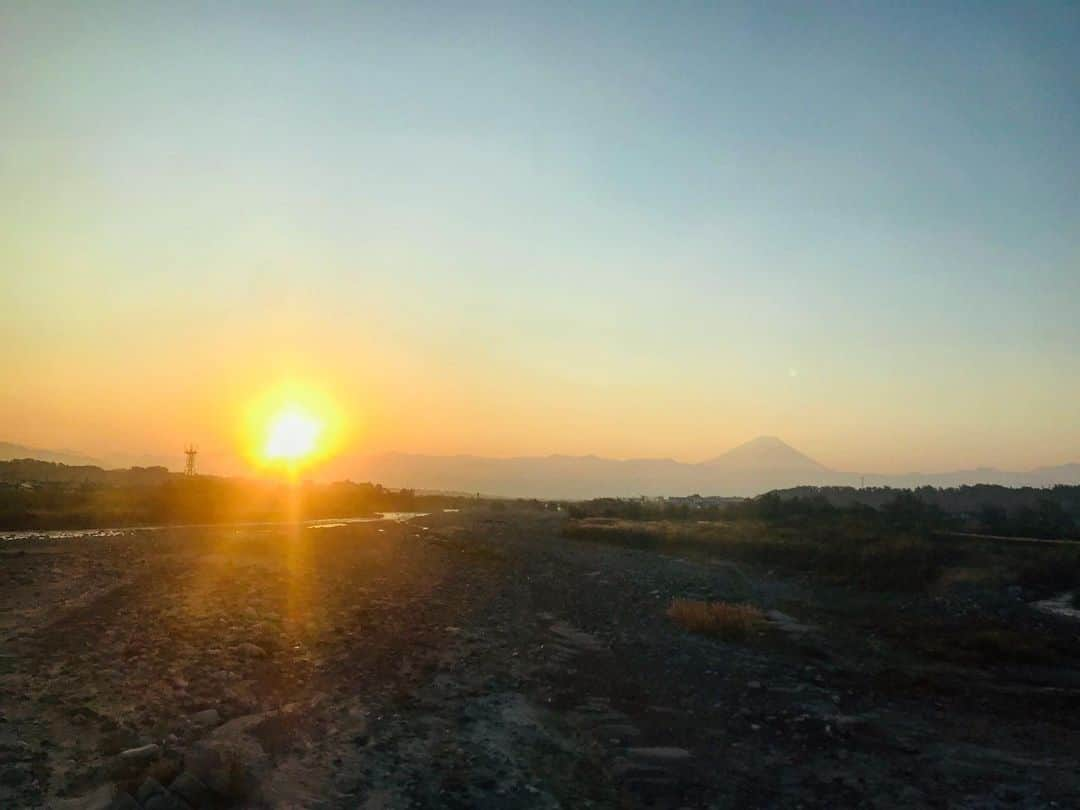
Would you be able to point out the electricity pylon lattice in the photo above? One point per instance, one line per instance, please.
(190, 451)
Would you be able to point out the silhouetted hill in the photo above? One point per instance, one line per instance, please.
(9, 451)
(30, 470)
(758, 466)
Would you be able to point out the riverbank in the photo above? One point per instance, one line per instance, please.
(482, 659)
(178, 500)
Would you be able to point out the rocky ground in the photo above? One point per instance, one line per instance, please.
(479, 659)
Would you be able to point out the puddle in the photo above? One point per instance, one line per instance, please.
(1060, 605)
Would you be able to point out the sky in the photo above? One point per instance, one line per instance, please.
(633, 230)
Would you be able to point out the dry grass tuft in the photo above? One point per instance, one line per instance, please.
(729, 621)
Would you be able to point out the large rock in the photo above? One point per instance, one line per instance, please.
(149, 788)
(101, 798)
(249, 650)
(134, 760)
(191, 789)
(230, 761)
(143, 755)
(117, 740)
(123, 801)
(266, 635)
(165, 801)
(206, 718)
(663, 753)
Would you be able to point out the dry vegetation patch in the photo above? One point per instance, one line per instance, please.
(731, 622)
(872, 560)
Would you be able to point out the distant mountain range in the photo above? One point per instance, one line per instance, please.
(10, 451)
(15, 471)
(760, 465)
(218, 464)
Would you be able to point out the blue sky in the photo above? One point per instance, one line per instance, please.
(630, 229)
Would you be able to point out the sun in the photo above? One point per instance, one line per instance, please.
(292, 435)
(292, 427)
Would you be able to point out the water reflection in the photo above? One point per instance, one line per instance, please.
(75, 534)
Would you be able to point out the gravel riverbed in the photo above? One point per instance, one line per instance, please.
(480, 659)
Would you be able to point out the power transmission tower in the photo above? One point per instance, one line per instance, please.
(190, 451)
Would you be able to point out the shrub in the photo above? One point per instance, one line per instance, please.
(728, 621)
(610, 530)
(1058, 570)
(843, 551)
(901, 564)
(1004, 645)
(981, 642)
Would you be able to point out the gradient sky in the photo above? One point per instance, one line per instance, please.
(622, 229)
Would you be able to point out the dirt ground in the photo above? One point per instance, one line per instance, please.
(480, 659)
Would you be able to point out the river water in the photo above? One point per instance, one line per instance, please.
(76, 534)
(1060, 605)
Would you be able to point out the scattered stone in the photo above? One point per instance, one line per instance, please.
(143, 755)
(148, 788)
(267, 635)
(101, 798)
(661, 752)
(165, 769)
(189, 788)
(230, 761)
(165, 801)
(788, 624)
(124, 801)
(14, 775)
(576, 638)
(206, 718)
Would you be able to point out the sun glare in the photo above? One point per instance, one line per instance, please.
(292, 435)
(293, 427)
